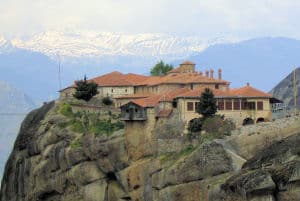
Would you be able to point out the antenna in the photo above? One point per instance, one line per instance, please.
(295, 92)
(59, 71)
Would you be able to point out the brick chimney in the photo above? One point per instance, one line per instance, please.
(206, 73)
(211, 73)
(220, 74)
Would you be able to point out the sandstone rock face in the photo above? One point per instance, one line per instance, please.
(46, 165)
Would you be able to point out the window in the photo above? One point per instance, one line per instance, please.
(126, 90)
(190, 106)
(228, 104)
(236, 105)
(217, 86)
(221, 104)
(260, 105)
(244, 105)
(251, 105)
(112, 91)
(196, 105)
(174, 103)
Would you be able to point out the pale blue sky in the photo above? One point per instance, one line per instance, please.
(181, 17)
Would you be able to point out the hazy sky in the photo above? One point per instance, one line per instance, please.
(183, 17)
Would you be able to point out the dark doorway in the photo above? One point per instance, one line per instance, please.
(248, 121)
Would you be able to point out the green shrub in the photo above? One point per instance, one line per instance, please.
(78, 127)
(63, 124)
(195, 125)
(76, 143)
(66, 110)
(85, 90)
(107, 101)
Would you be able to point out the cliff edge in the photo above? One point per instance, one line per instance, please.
(57, 158)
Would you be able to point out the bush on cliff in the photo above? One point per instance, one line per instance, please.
(66, 110)
(107, 101)
(85, 90)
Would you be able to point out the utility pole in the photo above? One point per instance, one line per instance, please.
(295, 92)
(59, 71)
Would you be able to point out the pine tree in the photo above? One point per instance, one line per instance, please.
(207, 106)
(85, 90)
(161, 69)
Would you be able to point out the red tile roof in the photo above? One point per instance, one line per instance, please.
(182, 78)
(198, 91)
(133, 96)
(118, 79)
(246, 92)
(188, 62)
(170, 95)
(249, 91)
(148, 102)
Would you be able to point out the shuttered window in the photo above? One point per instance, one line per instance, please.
(228, 105)
(244, 105)
(221, 104)
(190, 106)
(260, 105)
(236, 105)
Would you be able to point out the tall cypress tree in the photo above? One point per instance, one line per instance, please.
(85, 90)
(207, 106)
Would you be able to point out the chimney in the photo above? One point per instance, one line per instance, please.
(248, 84)
(211, 73)
(206, 73)
(200, 72)
(220, 74)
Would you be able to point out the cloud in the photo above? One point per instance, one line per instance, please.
(194, 17)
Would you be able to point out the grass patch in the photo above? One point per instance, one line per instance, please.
(76, 143)
(66, 110)
(78, 127)
(86, 122)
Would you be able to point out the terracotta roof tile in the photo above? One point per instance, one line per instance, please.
(133, 96)
(198, 91)
(148, 102)
(169, 96)
(249, 91)
(241, 92)
(118, 79)
(188, 62)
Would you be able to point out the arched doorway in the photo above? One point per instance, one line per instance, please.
(260, 120)
(248, 121)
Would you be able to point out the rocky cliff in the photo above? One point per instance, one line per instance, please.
(284, 90)
(51, 162)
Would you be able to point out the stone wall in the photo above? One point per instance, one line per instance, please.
(248, 140)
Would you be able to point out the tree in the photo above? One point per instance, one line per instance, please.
(85, 90)
(161, 69)
(207, 106)
(107, 101)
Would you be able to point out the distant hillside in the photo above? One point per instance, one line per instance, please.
(285, 89)
(261, 61)
(14, 105)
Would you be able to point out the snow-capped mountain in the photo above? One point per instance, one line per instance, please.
(5, 46)
(96, 44)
